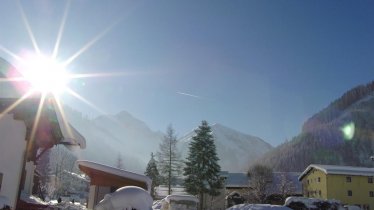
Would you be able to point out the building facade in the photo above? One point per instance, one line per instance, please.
(350, 185)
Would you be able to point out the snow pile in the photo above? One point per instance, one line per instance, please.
(32, 199)
(67, 205)
(4, 202)
(258, 207)
(129, 197)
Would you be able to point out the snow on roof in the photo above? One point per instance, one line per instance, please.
(70, 135)
(343, 170)
(258, 207)
(181, 198)
(116, 171)
(237, 180)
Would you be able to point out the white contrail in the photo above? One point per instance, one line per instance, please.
(187, 94)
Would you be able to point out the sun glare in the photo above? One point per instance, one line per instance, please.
(45, 74)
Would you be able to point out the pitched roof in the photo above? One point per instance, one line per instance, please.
(105, 175)
(237, 180)
(343, 170)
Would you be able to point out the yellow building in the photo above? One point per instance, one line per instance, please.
(350, 185)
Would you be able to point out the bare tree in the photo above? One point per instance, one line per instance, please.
(62, 160)
(169, 161)
(286, 186)
(119, 163)
(260, 177)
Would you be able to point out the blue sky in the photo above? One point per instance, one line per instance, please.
(260, 67)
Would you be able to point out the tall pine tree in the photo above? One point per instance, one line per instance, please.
(169, 160)
(202, 169)
(152, 172)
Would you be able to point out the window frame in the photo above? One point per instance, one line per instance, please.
(348, 179)
(349, 193)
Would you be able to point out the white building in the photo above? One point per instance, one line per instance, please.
(19, 143)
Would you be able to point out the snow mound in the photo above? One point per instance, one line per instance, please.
(4, 202)
(258, 207)
(129, 197)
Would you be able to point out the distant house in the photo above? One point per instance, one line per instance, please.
(26, 127)
(282, 185)
(236, 188)
(106, 179)
(350, 185)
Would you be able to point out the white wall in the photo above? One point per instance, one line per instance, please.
(29, 179)
(12, 148)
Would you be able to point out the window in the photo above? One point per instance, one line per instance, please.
(320, 193)
(371, 194)
(349, 192)
(308, 181)
(348, 179)
(1, 180)
(319, 179)
(370, 179)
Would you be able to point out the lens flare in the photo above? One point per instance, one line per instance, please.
(45, 74)
(348, 131)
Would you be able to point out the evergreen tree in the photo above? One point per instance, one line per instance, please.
(152, 172)
(169, 160)
(202, 169)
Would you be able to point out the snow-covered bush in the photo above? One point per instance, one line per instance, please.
(301, 203)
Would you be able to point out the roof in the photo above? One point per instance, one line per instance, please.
(51, 119)
(342, 170)
(70, 135)
(109, 176)
(237, 180)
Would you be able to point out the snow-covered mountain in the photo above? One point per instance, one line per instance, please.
(109, 137)
(236, 150)
(122, 134)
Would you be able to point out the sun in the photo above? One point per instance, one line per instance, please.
(45, 74)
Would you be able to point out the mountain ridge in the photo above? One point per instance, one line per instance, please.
(109, 136)
(340, 134)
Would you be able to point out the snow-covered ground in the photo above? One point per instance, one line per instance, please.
(258, 207)
(4, 201)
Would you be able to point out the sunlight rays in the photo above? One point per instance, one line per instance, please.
(61, 111)
(61, 30)
(16, 103)
(90, 43)
(28, 28)
(90, 75)
(13, 55)
(73, 93)
(22, 59)
(36, 122)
